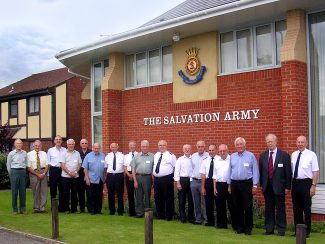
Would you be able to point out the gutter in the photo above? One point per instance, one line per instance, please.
(78, 75)
(204, 14)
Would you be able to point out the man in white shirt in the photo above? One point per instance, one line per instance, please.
(54, 155)
(128, 176)
(37, 167)
(182, 175)
(115, 179)
(206, 172)
(163, 171)
(220, 186)
(198, 199)
(71, 164)
(304, 179)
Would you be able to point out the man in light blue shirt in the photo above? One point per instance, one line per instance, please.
(16, 166)
(243, 182)
(94, 169)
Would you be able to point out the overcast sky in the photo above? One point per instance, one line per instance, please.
(33, 31)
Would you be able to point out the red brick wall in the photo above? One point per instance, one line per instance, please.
(86, 120)
(75, 86)
(46, 144)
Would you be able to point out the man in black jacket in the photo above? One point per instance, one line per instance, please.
(275, 180)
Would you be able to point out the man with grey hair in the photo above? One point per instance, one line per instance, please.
(275, 180)
(37, 167)
(16, 166)
(115, 179)
(244, 177)
(141, 166)
(70, 163)
(198, 198)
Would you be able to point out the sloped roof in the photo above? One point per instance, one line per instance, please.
(188, 7)
(36, 82)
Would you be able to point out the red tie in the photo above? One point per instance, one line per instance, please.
(270, 165)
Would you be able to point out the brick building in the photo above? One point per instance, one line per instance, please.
(211, 70)
(40, 106)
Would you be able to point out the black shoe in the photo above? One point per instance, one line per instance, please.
(293, 235)
(82, 211)
(307, 235)
(169, 218)
(281, 234)
(248, 233)
(267, 233)
(196, 223)
(208, 224)
(120, 214)
(139, 216)
(66, 212)
(111, 213)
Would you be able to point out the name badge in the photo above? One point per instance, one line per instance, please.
(103, 161)
(280, 165)
(75, 160)
(148, 162)
(246, 164)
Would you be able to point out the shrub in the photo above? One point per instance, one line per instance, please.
(4, 176)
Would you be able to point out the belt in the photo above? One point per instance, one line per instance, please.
(40, 168)
(222, 182)
(241, 181)
(196, 179)
(114, 173)
(17, 168)
(142, 174)
(301, 180)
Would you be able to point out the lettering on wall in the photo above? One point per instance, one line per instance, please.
(251, 114)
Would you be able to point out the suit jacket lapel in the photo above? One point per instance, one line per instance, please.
(277, 159)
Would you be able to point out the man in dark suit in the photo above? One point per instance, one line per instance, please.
(275, 180)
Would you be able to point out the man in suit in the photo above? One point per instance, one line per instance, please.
(275, 180)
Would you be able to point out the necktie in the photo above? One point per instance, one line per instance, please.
(38, 162)
(295, 175)
(211, 169)
(270, 165)
(114, 162)
(158, 164)
(132, 154)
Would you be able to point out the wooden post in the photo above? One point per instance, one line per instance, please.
(301, 234)
(55, 219)
(148, 224)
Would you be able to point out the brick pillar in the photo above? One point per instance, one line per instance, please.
(86, 120)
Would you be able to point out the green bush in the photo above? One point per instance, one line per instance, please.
(4, 176)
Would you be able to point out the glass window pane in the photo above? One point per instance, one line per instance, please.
(244, 50)
(31, 105)
(98, 76)
(154, 66)
(167, 64)
(280, 32)
(106, 64)
(130, 71)
(36, 107)
(317, 76)
(264, 44)
(97, 123)
(13, 108)
(141, 66)
(227, 52)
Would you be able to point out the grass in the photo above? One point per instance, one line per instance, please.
(85, 228)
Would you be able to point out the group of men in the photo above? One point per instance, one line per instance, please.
(206, 181)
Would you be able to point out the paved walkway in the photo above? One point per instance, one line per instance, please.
(8, 236)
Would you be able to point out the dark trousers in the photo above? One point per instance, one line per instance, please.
(69, 186)
(209, 201)
(130, 190)
(81, 189)
(301, 201)
(185, 195)
(242, 196)
(94, 194)
(115, 184)
(222, 199)
(18, 185)
(55, 184)
(164, 196)
(274, 202)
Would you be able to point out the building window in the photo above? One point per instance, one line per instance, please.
(33, 105)
(13, 108)
(149, 67)
(317, 84)
(252, 48)
(99, 69)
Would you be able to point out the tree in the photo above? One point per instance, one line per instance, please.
(6, 140)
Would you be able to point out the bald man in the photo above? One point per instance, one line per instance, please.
(16, 166)
(305, 175)
(83, 151)
(115, 179)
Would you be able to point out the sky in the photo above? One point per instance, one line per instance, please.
(33, 31)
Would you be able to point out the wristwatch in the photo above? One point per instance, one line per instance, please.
(314, 184)
(255, 186)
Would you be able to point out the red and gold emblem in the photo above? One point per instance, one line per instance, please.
(192, 65)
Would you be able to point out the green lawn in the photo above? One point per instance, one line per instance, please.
(85, 228)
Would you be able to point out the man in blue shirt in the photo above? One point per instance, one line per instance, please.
(243, 182)
(94, 168)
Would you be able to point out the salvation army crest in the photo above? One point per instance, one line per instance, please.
(192, 67)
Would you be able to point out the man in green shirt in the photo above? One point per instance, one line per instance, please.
(142, 165)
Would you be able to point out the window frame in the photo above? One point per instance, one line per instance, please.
(148, 83)
(28, 106)
(253, 49)
(10, 104)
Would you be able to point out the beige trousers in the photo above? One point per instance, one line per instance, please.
(39, 189)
